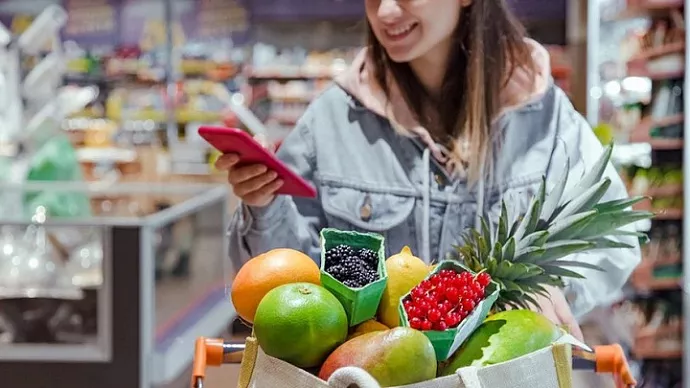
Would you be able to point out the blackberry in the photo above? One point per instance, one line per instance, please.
(370, 257)
(336, 254)
(352, 270)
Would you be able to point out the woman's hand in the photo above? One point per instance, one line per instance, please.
(556, 308)
(254, 184)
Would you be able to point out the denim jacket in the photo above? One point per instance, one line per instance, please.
(371, 179)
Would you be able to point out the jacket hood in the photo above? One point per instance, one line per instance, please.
(521, 89)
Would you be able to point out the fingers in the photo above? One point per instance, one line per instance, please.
(224, 162)
(245, 173)
(266, 191)
(255, 184)
(569, 320)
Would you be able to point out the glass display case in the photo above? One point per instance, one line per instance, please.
(114, 293)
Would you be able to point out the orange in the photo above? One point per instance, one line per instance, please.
(300, 323)
(266, 272)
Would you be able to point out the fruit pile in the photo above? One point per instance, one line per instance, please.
(397, 320)
(354, 268)
(445, 299)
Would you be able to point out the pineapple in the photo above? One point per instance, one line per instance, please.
(529, 252)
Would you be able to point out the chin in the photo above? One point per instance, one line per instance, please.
(402, 56)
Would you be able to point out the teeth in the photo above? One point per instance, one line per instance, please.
(400, 30)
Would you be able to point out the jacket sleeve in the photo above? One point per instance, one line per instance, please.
(577, 142)
(287, 222)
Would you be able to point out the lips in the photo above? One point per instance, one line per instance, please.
(400, 31)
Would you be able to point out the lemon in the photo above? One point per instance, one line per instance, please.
(404, 272)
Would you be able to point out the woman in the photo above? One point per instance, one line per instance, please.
(449, 109)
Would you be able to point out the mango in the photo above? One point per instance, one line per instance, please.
(394, 357)
(503, 337)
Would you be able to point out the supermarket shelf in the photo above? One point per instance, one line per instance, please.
(669, 214)
(635, 71)
(645, 8)
(672, 48)
(651, 354)
(666, 144)
(649, 123)
(665, 190)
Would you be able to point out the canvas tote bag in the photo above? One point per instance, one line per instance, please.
(546, 368)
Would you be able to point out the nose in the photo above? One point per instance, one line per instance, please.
(389, 10)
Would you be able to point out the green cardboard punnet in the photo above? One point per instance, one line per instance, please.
(361, 304)
(448, 341)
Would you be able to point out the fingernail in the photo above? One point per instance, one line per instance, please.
(261, 169)
(233, 159)
(272, 175)
(279, 182)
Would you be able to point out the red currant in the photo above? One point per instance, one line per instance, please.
(466, 293)
(476, 287)
(452, 294)
(434, 315)
(466, 277)
(417, 312)
(425, 285)
(422, 305)
(417, 292)
(478, 296)
(467, 304)
(416, 323)
(426, 325)
(452, 319)
(484, 279)
(440, 326)
(446, 306)
(407, 304)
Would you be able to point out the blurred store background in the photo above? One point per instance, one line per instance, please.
(112, 244)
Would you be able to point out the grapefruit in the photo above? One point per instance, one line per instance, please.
(503, 337)
(300, 323)
(404, 272)
(266, 272)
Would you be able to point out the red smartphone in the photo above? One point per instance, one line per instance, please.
(237, 141)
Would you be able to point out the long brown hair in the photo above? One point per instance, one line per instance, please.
(487, 45)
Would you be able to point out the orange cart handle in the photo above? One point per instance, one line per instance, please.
(611, 359)
(211, 352)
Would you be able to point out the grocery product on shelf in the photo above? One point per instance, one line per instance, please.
(498, 269)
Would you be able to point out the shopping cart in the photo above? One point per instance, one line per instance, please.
(261, 371)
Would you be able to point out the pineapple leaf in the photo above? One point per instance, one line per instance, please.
(560, 271)
(555, 195)
(541, 195)
(618, 204)
(570, 226)
(604, 224)
(557, 249)
(576, 264)
(526, 271)
(509, 250)
(534, 239)
(486, 231)
(529, 221)
(603, 243)
(503, 223)
(585, 201)
(529, 254)
(642, 238)
(594, 175)
(529, 299)
(497, 253)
